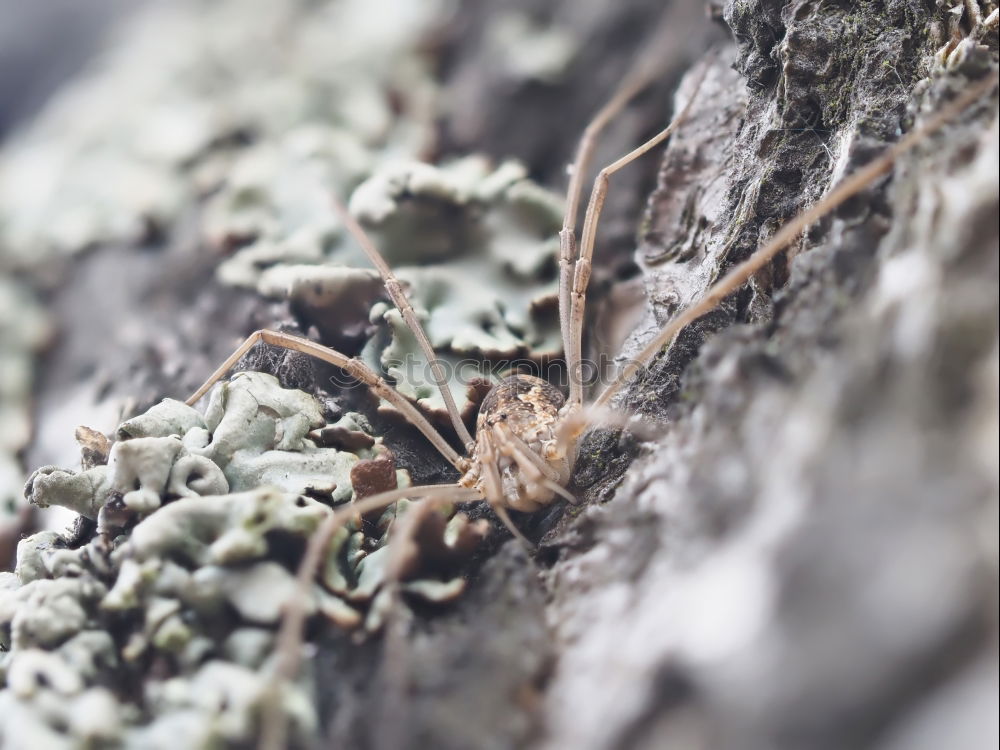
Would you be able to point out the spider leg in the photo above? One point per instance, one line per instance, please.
(493, 489)
(630, 86)
(582, 266)
(354, 367)
(529, 462)
(402, 303)
(288, 655)
(511, 445)
(647, 66)
(851, 186)
(575, 424)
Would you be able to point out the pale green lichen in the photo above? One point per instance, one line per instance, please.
(227, 529)
(498, 233)
(188, 566)
(276, 199)
(476, 248)
(83, 492)
(169, 417)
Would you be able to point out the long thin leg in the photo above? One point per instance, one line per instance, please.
(512, 446)
(743, 271)
(399, 299)
(289, 642)
(630, 86)
(529, 462)
(493, 488)
(581, 269)
(644, 71)
(576, 423)
(354, 367)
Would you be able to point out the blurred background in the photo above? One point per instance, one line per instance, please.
(43, 44)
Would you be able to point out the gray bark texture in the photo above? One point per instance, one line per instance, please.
(803, 552)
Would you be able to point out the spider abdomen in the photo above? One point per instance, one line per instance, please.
(520, 460)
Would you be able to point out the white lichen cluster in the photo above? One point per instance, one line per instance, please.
(156, 626)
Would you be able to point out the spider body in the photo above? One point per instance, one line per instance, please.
(519, 431)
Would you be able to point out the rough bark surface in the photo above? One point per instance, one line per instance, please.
(806, 555)
(805, 559)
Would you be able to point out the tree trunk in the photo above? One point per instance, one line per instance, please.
(804, 551)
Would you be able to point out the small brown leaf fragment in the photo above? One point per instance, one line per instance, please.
(342, 438)
(373, 475)
(94, 447)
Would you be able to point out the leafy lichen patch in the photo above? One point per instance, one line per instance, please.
(475, 246)
(201, 521)
(493, 299)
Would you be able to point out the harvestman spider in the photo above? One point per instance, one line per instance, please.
(523, 452)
